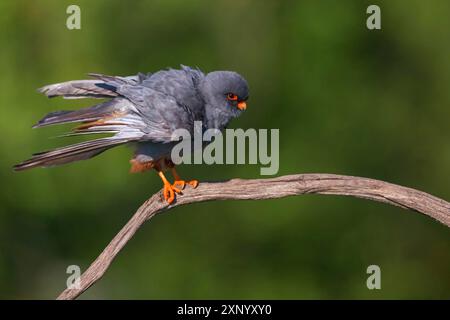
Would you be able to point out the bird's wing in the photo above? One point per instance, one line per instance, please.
(136, 113)
(156, 114)
(78, 89)
(115, 116)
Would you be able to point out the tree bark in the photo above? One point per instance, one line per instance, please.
(259, 189)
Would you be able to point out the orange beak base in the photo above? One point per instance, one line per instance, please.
(242, 105)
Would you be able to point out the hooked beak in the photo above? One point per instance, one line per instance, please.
(242, 105)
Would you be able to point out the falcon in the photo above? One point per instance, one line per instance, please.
(143, 111)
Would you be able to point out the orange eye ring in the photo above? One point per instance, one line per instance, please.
(232, 97)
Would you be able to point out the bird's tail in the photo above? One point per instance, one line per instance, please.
(116, 116)
(74, 152)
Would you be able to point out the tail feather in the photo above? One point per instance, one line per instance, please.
(94, 113)
(74, 152)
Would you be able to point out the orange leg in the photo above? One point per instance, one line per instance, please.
(169, 189)
(182, 183)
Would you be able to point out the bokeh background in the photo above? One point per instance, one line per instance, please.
(346, 100)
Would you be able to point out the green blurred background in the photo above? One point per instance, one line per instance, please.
(347, 100)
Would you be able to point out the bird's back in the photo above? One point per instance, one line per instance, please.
(180, 84)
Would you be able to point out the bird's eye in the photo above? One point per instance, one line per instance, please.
(232, 97)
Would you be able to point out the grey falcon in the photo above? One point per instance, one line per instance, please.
(144, 111)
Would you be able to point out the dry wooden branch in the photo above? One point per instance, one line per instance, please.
(258, 189)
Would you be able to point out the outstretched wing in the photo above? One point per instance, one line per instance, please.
(157, 114)
(135, 113)
(140, 112)
(78, 89)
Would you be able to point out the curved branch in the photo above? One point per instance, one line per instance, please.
(258, 189)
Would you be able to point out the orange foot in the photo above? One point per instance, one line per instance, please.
(169, 189)
(182, 183)
(169, 192)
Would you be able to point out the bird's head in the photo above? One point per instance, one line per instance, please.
(225, 94)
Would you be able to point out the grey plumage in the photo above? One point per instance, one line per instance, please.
(144, 109)
(78, 89)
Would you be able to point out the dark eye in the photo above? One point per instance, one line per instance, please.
(232, 97)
